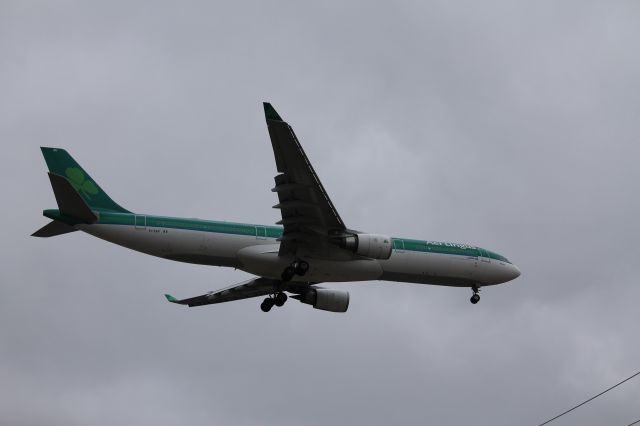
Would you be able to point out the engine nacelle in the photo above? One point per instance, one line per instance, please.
(369, 245)
(326, 300)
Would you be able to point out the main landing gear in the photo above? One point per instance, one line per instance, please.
(297, 267)
(476, 297)
(276, 300)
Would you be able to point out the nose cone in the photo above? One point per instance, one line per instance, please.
(502, 273)
(513, 273)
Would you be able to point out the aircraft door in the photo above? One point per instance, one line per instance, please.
(261, 233)
(140, 221)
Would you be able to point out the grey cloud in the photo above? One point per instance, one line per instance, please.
(511, 125)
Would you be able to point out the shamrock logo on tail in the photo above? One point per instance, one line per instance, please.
(80, 183)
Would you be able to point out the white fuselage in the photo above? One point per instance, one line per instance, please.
(258, 255)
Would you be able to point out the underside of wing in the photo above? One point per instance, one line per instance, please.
(307, 293)
(309, 217)
(254, 287)
(251, 288)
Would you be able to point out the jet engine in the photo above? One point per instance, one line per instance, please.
(326, 300)
(369, 245)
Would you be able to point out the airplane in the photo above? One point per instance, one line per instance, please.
(310, 245)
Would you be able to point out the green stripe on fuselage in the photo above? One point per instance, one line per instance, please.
(113, 218)
(110, 218)
(445, 248)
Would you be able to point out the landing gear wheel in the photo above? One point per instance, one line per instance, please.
(301, 267)
(267, 304)
(288, 273)
(476, 297)
(280, 299)
(297, 267)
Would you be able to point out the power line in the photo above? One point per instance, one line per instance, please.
(631, 424)
(591, 399)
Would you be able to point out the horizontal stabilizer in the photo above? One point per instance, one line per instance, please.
(69, 201)
(53, 228)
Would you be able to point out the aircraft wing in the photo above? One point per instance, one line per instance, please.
(254, 287)
(308, 215)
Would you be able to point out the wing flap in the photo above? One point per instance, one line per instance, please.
(306, 209)
(254, 287)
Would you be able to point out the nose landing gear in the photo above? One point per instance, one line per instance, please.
(476, 297)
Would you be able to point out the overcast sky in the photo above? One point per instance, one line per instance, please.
(512, 125)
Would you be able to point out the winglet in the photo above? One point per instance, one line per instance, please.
(171, 299)
(270, 112)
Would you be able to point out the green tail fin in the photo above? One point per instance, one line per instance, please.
(62, 164)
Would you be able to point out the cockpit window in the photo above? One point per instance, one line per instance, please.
(497, 256)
